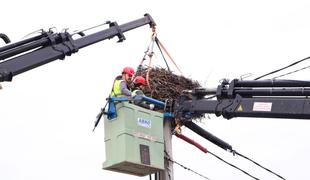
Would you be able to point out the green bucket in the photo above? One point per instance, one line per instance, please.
(134, 141)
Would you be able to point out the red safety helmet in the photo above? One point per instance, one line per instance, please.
(139, 80)
(128, 70)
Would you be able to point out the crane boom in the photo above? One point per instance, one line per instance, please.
(257, 98)
(31, 53)
(243, 98)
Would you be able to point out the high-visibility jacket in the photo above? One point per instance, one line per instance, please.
(118, 90)
(139, 101)
(137, 92)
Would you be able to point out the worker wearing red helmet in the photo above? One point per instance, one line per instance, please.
(121, 83)
(137, 93)
(138, 82)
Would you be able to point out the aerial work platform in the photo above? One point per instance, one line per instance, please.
(134, 140)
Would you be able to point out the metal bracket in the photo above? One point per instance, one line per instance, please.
(228, 111)
(120, 34)
(230, 92)
(152, 22)
(69, 43)
(5, 75)
(111, 114)
(52, 41)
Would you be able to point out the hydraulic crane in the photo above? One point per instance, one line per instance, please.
(249, 98)
(22, 56)
(237, 98)
(243, 98)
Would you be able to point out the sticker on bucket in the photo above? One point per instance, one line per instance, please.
(144, 122)
(144, 136)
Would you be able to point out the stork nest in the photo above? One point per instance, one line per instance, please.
(164, 84)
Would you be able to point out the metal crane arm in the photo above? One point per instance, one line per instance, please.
(31, 53)
(266, 98)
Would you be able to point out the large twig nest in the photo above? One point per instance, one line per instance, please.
(165, 84)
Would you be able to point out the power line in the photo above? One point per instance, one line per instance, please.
(181, 165)
(292, 72)
(282, 68)
(259, 165)
(233, 166)
(203, 149)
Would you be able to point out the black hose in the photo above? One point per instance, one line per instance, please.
(205, 134)
(5, 38)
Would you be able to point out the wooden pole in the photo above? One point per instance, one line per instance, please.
(167, 174)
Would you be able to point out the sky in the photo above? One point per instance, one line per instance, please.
(47, 114)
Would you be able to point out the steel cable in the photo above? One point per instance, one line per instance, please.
(282, 68)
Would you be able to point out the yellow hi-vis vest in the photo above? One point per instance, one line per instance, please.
(136, 92)
(116, 90)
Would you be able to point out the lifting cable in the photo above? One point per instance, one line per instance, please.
(149, 52)
(161, 52)
(282, 68)
(144, 56)
(165, 50)
(203, 149)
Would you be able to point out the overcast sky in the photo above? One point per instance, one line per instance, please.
(47, 114)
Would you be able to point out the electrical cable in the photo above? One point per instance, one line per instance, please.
(233, 166)
(203, 149)
(235, 152)
(181, 165)
(292, 72)
(282, 68)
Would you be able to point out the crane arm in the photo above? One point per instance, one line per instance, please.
(31, 53)
(266, 98)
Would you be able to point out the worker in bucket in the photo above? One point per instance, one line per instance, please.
(121, 83)
(138, 94)
(120, 88)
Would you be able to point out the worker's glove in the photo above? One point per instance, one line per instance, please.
(137, 99)
(151, 106)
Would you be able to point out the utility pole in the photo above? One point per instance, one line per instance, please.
(167, 174)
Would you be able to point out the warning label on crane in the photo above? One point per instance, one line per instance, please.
(262, 106)
(240, 108)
